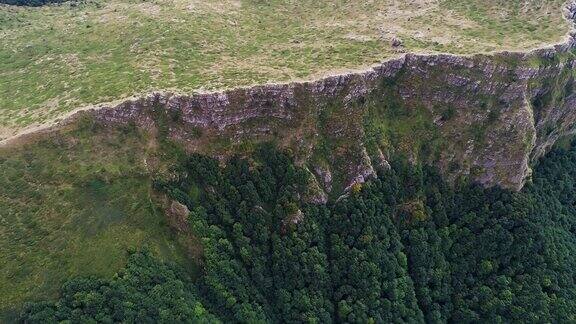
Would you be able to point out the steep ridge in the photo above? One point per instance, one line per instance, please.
(487, 118)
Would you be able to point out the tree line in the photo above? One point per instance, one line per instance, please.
(30, 3)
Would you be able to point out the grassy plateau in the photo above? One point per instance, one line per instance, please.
(56, 58)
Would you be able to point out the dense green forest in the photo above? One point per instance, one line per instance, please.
(30, 3)
(404, 248)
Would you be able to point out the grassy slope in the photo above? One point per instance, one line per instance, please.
(56, 58)
(72, 205)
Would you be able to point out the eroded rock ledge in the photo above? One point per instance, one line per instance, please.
(483, 117)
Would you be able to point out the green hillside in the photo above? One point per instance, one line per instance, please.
(406, 248)
(73, 205)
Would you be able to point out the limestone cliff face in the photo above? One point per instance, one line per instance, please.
(483, 117)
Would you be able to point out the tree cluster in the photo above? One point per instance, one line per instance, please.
(407, 247)
(30, 3)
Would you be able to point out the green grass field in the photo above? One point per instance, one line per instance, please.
(56, 58)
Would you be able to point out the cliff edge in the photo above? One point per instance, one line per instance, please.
(487, 118)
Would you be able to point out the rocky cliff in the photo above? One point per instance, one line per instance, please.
(484, 117)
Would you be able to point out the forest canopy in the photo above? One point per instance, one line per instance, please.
(406, 247)
(30, 3)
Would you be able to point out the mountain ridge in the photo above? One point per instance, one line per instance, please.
(459, 98)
